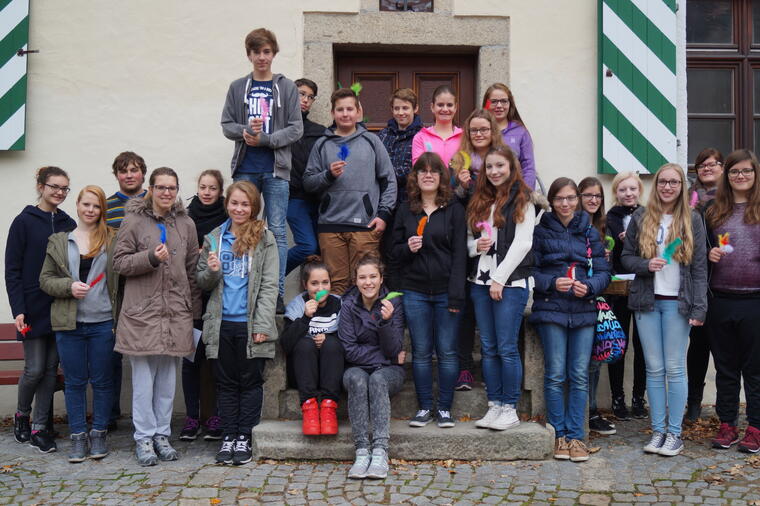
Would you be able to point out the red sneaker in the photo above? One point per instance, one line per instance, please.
(727, 435)
(751, 441)
(327, 417)
(310, 410)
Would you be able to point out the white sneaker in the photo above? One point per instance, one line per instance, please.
(506, 419)
(494, 410)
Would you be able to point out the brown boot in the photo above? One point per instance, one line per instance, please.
(578, 451)
(561, 450)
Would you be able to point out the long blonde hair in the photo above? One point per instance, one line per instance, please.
(101, 234)
(679, 227)
(250, 232)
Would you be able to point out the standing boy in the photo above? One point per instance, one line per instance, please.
(129, 169)
(261, 114)
(351, 169)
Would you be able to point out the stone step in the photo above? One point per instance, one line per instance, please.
(529, 441)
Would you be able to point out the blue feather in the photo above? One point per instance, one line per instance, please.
(428, 147)
(162, 229)
(343, 153)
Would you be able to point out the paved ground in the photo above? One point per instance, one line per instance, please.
(618, 474)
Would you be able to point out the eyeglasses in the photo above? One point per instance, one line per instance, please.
(425, 172)
(58, 189)
(310, 98)
(710, 165)
(569, 200)
(158, 188)
(746, 172)
(673, 183)
(500, 101)
(592, 196)
(479, 131)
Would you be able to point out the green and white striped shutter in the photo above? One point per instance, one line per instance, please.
(637, 84)
(14, 35)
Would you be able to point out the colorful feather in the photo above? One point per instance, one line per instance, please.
(421, 225)
(609, 243)
(466, 160)
(162, 229)
(428, 147)
(571, 271)
(488, 104)
(393, 295)
(694, 199)
(26, 330)
(212, 243)
(356, 88)
(485, 227)
(670, 249)
(97, 279)
(724, 242)
(321, 295)
(343, 152)
(264, 110)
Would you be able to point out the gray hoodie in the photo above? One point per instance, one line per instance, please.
(287, 125)
(365, 190)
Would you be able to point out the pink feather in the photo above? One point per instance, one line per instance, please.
(485, 227)
(694, 199)
(264, 110)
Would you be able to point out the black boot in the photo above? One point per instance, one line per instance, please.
(619, 408)
(22, 430)
(639, 407)
(693, 411)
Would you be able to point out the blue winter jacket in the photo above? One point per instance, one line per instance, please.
(555, 248)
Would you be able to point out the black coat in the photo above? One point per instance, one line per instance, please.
(300, 152)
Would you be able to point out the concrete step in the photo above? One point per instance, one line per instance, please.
(528, 441)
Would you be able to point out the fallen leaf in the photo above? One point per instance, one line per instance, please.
(594, 449)
(215, 500)
(754, 461)
(714, 479)
(293, 491)
(736, 470)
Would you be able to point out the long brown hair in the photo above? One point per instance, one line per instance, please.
(457, 161)
(430, 161)
(250, 232)
(486, 194)
(679, 227)
(723, 206)
(512, 114)
(102, 233)
(599, 218)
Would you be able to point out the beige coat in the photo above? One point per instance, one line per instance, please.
(160, 299)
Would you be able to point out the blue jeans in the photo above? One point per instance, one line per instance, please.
(432, 327)
(567, 353)
(302, 218)
(275, 192)
(86, 356)
(499, 324)
(664, 335)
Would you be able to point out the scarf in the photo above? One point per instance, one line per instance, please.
(206, 217)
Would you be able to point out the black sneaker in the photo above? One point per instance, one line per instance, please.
(619, 408)
(43, 441)
(242, 453)
(445, 421)
(213, 429)
(639, 407)
(422, 418)
(224, 455)
(600, 425)
(280, 306)
(191, 429)
(693, 411)
(22, 431)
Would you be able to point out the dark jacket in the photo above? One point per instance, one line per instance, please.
(287, 126)
(369, 341)
(555, 248)
(399, 145)
(24, 256)
(615, 217)
(206, 217)
(692, 295)
(439, 266)
(299, 326)
(301, 150)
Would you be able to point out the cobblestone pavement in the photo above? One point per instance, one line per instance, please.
(618, 474)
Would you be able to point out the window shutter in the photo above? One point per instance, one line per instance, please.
(637, 85)
(14, 35)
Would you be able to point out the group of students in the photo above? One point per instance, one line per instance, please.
(453, 214)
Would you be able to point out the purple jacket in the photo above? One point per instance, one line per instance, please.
(369, 341)
(516, 136)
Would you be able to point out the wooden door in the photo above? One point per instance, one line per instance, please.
(381, 73)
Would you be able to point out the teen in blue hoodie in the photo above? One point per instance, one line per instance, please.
(24, 255)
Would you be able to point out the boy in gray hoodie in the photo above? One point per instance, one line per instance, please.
(350, 168)
(262, 115)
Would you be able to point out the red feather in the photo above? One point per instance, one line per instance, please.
(97, 279)
(421, 225)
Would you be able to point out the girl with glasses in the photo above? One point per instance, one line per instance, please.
(665, 247)
(709, 167)
(24, 256)
(733, 315)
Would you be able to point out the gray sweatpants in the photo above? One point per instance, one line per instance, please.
(369, 403)
(38, 379)
(154, 379)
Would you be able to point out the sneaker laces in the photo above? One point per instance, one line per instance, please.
(726, 431)
(241, 444)
(213, 422)
(444, 414)
(577, 443)
(465, 377)
(227, 446)
(423, 413)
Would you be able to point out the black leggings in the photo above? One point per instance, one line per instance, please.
(318, 371)
(617, 370)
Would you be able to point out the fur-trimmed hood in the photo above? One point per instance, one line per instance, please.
(145, 206)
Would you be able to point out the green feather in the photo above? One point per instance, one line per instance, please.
(670, 249)
(609, 243)
(357, 88)
(392, 295)
(321, 295)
